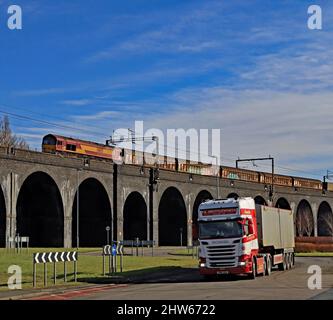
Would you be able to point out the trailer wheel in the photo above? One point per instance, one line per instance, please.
(288, 263)
(292, 260)
(284, 264)
(268, 270)
(253, 274)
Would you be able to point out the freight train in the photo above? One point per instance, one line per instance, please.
(79, 148)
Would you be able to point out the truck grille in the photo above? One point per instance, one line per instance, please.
(221, 256)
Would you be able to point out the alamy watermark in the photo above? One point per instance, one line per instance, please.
(14, 20)
(315, 20)
(15, 13)
(203, 145)
(15, 280)
(315, 280)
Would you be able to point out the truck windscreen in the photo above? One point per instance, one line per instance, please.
(220, 229)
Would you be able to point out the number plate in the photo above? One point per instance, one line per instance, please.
(222, 272)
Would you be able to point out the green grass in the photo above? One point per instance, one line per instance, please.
(184, 252)
(314, 254)
(89, 267)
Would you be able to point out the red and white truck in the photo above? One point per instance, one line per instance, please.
(240, 237)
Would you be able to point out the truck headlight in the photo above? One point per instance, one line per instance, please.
(202, 262)
(244, 260)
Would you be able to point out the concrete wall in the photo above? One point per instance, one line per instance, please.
(119, 183)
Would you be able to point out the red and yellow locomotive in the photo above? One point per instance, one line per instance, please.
(64, 145)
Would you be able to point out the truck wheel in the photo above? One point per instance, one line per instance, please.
(253, 274)
(283, 265)
(268, 270)
(265, 266)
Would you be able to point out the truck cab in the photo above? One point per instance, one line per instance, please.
(228, 235)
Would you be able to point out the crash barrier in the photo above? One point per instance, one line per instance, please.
(54, 257)
(17, 242)
(112, 251)
(136, 244)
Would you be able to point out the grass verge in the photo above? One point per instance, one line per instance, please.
(314, 254)
(90, 267)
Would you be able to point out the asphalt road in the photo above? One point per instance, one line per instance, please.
(187, 284)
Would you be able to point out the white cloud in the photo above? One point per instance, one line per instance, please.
(181, 31)
(40, 92)
(104, 115)
(303, 69)
(295, 128)
(78, 102)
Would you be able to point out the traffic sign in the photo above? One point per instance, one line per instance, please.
(54, 257)
(112, 252)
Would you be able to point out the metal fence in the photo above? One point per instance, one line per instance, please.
(138, 245)
(16, 243)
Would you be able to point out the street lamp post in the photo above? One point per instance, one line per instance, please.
(77, 210)
(107, 235)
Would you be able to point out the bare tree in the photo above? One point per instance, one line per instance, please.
(329, 223)
(299, 230)
(7, 138)
(325, 223)
(308, 224)
(304, 223)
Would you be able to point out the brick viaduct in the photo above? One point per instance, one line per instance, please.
(38, 198)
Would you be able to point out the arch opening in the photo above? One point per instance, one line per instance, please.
(2, 220)
(325, 220)
(94, 215)
(233, 195)
(172, 223)
(135, 217)
(260, 200)
(202, 196)
(282, 203)
(40, 213)
(304, 220)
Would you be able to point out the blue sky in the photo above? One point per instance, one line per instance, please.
(251, 68)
